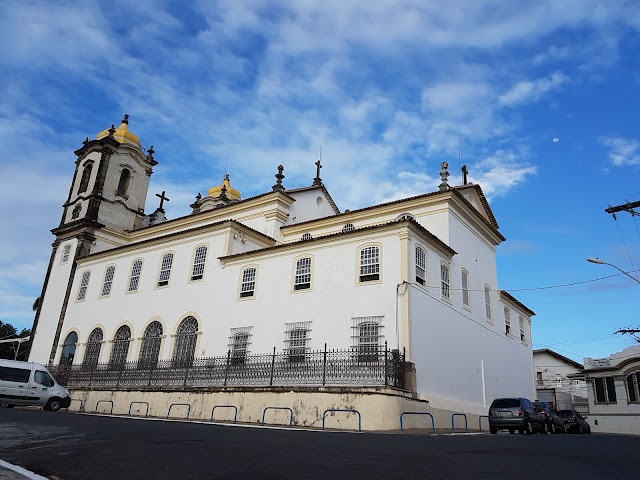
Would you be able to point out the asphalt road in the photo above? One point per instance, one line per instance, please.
(69, 446)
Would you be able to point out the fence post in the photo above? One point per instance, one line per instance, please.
(91, 374)
(186, 374)
(226, 370)
(386, 365)
(150, 372)
(324, 366)
(273, 362)
(119, 376)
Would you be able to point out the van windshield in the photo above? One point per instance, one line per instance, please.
(506, 403)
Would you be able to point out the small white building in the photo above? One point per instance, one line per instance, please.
(555, 380)
(614, 391)
(285, 272)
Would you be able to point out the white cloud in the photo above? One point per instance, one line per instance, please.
(532, 90)
(623, 151)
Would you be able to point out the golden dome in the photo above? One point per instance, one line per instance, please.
(230, 192)
(122, 134)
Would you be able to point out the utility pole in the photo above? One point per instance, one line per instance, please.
(627, 207)
(630, 331)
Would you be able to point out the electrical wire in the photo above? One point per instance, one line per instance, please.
(626, 249)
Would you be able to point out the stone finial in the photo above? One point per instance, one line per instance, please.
(125, 119)
(223, 192)
(86, 140)
(112, 130)
(278, 187)
(317, 182)
(444, 174)
(465, 172)
(150, 153)
(198, 196)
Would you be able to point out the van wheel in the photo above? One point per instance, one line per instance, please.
(6, 405)
(53, 405)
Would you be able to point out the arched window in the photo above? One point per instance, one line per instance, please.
(445, 281)
(421, 265)
(136, 270)
(120, 347)
(150, 350)
(69, 349)
(108, 280)
(306, 236)
(466, 301)
(303, 274)
(84, 284)
(487, 301)
(369, 264)
(185, 347)
(86, 175)
(92, 353)
(165, 269)
(199, 260)
(123, 184)
(348, 228)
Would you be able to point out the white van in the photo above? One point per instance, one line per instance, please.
(27, 383)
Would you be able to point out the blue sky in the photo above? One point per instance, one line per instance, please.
(387, 89)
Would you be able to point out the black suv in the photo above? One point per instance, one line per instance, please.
(553, 421)
(574, 422)
(515, 414)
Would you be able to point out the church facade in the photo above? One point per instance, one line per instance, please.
(284, 273)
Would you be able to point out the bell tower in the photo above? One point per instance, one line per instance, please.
(108, 192)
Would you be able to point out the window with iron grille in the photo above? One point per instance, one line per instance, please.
(507, 320)
(445, 281)
(421, 265)
(65, 253)
(296, 341)
(84, 284)
(306, 236)
(487, 302)
(108, 280)
(633, 387)
(151, 342)
(199, 260)
(348, 228)
(186, 338)
(247, 288)
(165, 269)
(303, 274)
(136, 271)
(120, 347)
(239, 341)
(69, 349)
(369, 264)
(466, 300)
(605, 390)
(523, 338)
(92, 352)
(367, 337)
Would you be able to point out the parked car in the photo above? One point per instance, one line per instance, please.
(515, 414)
(27, 383)
(553, 421)
(574, 422)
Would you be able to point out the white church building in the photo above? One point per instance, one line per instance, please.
(277, 299)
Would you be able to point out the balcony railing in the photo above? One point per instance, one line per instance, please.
(320, 367)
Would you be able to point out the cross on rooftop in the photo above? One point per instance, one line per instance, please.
(162, 199)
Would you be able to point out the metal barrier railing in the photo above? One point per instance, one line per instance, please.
(142, 403)
(480, 417)
(104, 401)
(235, 416)
(433, 423)
(278, 408)
(181, 405)
(341, 410)
(76, 400)
(466, 424)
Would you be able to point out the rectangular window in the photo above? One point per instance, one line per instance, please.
(487, 302)
(296, 341)
(199, 260)
(65, 253)
(523, 338)
(367, 338)
(632, 388)
(165, 270)
(421, 265)
(134, 281)
(539, 377)
(445, 283)
(369, 264)
(465, 288)
(239, 342)
(108, 280)
(303, 274)
(605, 390)
(507, 320)
(84, 283)
(248, 282)
(17, 375)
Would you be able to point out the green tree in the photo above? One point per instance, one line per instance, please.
(7, 350)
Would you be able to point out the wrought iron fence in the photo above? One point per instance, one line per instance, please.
(319, 367)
